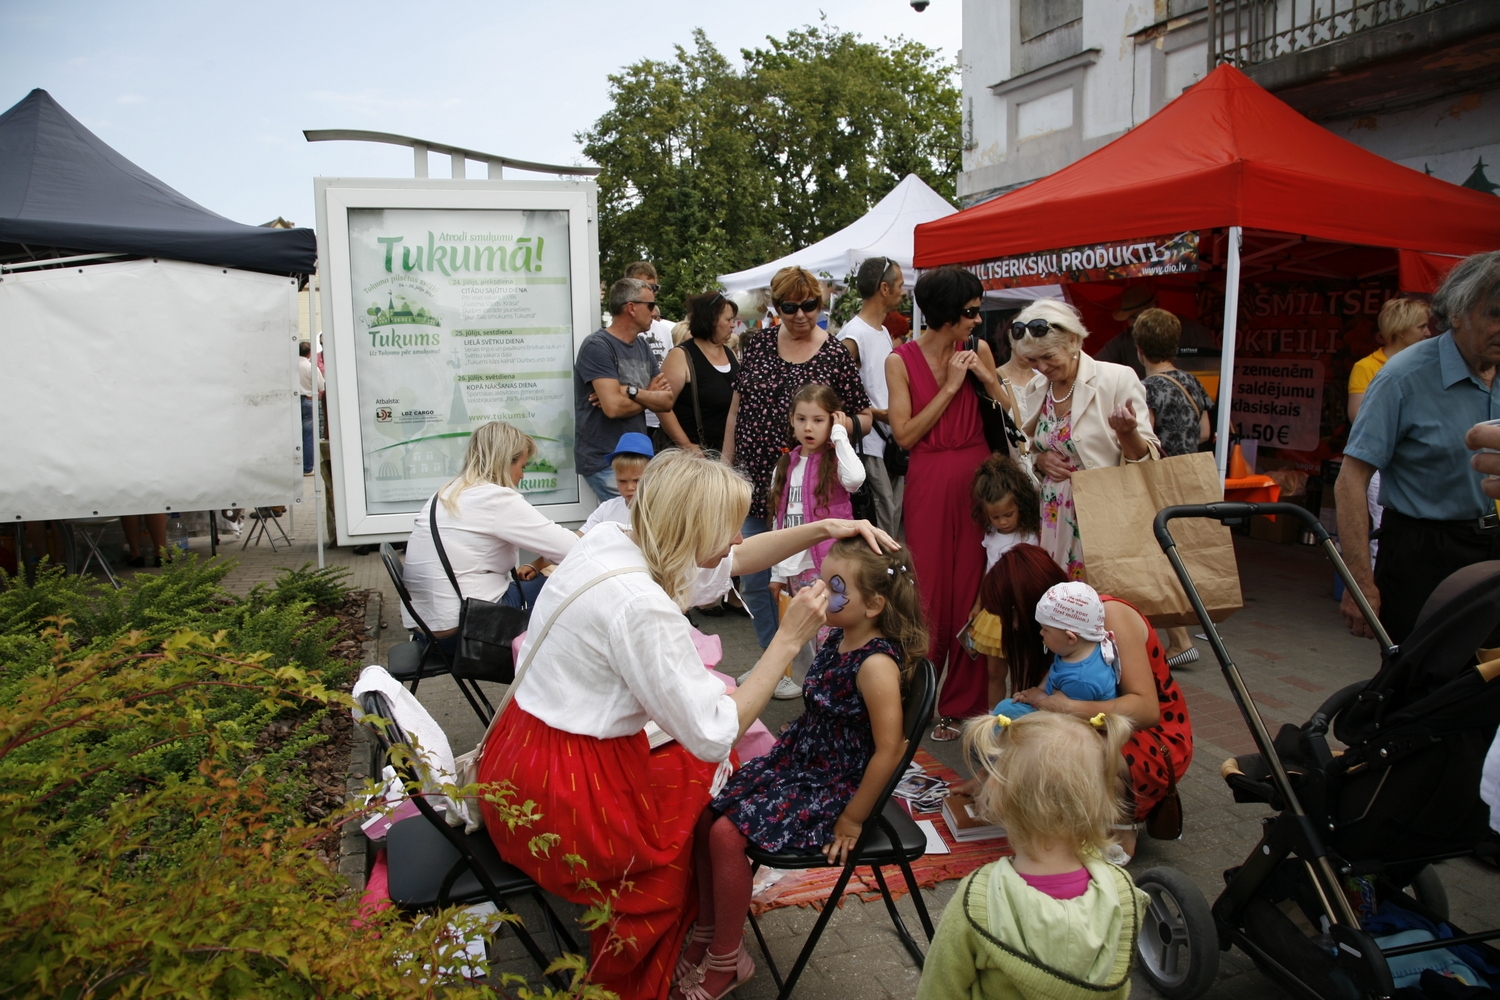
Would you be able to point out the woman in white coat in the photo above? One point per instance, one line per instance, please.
(1079, 414)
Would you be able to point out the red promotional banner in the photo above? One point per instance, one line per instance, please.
(1140, 258)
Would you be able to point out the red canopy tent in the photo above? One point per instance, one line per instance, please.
(1229, 155)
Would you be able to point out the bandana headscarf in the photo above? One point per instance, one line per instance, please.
(1075, 607)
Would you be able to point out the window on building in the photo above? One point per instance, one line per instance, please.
(1041, 16)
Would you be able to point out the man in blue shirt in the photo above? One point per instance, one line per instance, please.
(615, 381)
(1411, 427)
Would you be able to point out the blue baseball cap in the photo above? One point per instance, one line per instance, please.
(633, 443)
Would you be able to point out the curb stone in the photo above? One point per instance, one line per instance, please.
(355, 852)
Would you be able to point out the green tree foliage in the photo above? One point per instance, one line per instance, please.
(708, 169)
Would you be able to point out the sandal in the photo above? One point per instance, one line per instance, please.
(1189, 655)
(688, 973)
(947, 729)
(740, 963)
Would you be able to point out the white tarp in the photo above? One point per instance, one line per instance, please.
(146, 386)
(885, 231)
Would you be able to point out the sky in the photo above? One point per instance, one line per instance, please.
(212, 98)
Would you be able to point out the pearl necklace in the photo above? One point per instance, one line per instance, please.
(1052, 392)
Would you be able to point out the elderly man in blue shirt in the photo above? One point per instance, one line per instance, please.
(1411, 426)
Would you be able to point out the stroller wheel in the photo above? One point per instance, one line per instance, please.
(1428, 890)
(1178, 945)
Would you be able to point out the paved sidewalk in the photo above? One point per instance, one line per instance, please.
(1288, 641)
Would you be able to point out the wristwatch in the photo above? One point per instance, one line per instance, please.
(631, 391)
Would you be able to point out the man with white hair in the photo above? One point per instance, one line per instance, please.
(1411, 426)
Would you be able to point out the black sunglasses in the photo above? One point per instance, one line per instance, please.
(642, 302)
(970, 312)
(1036, 328)
(654, 287)
(791, 308)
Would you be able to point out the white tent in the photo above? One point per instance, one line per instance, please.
(885, 231)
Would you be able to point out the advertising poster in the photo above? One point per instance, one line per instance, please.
(1140, 258)
(1278, 402)
(461, 316)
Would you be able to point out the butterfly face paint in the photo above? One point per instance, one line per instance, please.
(838, 595)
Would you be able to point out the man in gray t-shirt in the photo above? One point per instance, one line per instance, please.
(616, 379)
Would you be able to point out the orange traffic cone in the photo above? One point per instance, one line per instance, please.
(1238, 467)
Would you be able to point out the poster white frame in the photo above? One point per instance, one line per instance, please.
(334, 198)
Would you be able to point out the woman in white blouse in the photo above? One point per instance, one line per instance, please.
(573, 741)
(484, 523)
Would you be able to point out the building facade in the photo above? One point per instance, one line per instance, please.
(1046, 82)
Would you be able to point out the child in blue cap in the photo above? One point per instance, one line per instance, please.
(628, 460)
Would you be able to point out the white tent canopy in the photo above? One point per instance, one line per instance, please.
(885, 231)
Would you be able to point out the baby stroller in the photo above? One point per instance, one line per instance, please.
(1345, 859)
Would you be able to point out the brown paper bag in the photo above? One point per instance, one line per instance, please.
(1115, 508)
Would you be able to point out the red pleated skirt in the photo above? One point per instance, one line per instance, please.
(626, 810)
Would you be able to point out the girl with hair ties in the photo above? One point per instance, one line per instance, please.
(572, 741)
(1160, 747)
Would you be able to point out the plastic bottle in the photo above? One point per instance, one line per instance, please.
(177, 533)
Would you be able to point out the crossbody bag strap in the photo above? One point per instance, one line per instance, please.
(1015, 415)
(693, 382)
(1185, 394)
(437, 543)
(542, 635)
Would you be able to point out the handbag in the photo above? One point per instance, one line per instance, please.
(897, 459)
(1164, 822)
(1001, 432)
(1115, 506)
(466, 766)
(485, 628)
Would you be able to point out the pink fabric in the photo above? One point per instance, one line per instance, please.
(377, 895)
(1068, 885)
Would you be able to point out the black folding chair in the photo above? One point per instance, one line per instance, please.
(890, 837)
(433, 865)
(411, 661)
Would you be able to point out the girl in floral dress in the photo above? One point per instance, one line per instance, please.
(816, 787)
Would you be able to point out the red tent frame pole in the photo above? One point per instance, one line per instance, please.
(1226, 358)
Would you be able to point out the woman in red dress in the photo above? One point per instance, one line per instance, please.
(572, 742)
(934, 413)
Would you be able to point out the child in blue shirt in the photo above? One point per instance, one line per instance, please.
(1085, 663)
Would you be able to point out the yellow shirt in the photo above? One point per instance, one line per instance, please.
(1365, 369)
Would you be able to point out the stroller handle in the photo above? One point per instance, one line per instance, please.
(1226, 511)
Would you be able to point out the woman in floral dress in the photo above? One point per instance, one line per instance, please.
(1080, 414)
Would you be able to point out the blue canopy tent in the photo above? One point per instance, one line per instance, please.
(63, 190)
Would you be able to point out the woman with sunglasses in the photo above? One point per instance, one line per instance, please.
(1080, 414)
(774, 364)
(934, 413)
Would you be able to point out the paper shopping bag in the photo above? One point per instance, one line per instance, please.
(1115, 507)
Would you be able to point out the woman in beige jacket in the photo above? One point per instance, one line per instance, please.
(1079, 414)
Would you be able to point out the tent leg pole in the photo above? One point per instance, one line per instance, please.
(1226, 358)
(313, 329)
(916, 317)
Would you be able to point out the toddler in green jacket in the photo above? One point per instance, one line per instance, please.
(1055, 922)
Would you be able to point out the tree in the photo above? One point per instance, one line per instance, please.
(706, 169)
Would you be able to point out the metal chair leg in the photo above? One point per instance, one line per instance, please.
(890, 906)
(915, 891)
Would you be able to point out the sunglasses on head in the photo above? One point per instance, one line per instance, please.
(1036, 328)
(792, 308)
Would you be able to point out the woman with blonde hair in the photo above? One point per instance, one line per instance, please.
(1402, 322)
(1080, 414)
(483, 522)
(596, 670)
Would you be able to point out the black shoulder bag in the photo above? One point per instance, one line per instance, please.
(485, 628)
(1000, 431)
